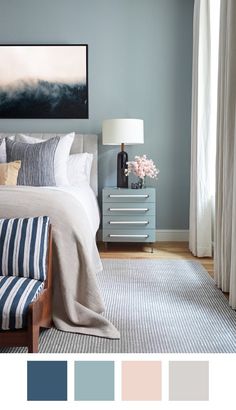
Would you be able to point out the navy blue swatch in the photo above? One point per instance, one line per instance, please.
(46, 380)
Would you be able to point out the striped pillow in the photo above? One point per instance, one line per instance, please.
(23, 247)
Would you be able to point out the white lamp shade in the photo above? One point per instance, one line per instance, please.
(126, 131)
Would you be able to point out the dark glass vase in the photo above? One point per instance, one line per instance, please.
(122, 179)
(142, 182)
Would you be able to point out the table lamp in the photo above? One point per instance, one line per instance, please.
(120, 132)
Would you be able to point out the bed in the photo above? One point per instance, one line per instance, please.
(74, 214)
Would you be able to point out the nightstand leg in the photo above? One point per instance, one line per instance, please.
(152, 249)
(106, 245)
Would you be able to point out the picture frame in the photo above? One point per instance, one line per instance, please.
(46, 81)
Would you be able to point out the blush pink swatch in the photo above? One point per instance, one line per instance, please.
(141, 380)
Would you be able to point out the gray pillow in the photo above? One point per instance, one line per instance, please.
(37, 161)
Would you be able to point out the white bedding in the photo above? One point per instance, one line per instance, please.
(86, 197)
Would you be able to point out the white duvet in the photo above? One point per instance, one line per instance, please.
(87, 199)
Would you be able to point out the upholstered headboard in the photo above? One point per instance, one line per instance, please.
(82, 143)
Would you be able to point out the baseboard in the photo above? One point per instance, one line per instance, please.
(163, 235)
(172, 235)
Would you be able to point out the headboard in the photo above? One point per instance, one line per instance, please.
(82, 143)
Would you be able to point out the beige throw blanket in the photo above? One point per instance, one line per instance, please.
(77, 302)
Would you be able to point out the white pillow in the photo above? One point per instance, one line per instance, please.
(79, 168)
(3, 154)
(61, 155)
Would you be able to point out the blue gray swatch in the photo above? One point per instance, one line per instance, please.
(94, 380)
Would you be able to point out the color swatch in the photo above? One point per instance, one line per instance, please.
(47, 380)
(94, 380)
(189, 381)
(141, 380)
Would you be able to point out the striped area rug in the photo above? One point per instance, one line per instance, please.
(159, 306)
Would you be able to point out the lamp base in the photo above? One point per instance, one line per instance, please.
(122, 179)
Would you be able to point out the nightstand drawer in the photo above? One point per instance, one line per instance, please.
(129, 195)
(123, 208)
(129, 222)
(123, 235)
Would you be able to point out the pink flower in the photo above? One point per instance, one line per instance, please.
(142, 166)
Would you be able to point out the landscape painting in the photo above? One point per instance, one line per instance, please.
(44, 81)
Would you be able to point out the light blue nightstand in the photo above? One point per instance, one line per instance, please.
(129, 215)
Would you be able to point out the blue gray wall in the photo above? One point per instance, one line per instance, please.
(140, 54)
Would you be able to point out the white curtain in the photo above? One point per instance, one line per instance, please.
(225, 227)
(203, 131)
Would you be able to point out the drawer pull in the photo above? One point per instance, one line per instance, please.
(128, 222)
(127, 236)
(128, 196)
(129, 209)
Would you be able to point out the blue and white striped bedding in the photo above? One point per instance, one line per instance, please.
(23, 247)
(16, 294)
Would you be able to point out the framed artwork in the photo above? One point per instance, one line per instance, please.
(44, 81)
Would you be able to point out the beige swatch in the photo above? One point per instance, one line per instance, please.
(189, 381)
(141, 381)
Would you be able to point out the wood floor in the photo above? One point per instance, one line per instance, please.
(161, 250)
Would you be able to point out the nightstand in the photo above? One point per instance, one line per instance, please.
(129, 215)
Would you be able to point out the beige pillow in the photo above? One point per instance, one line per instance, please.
(9, 173)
